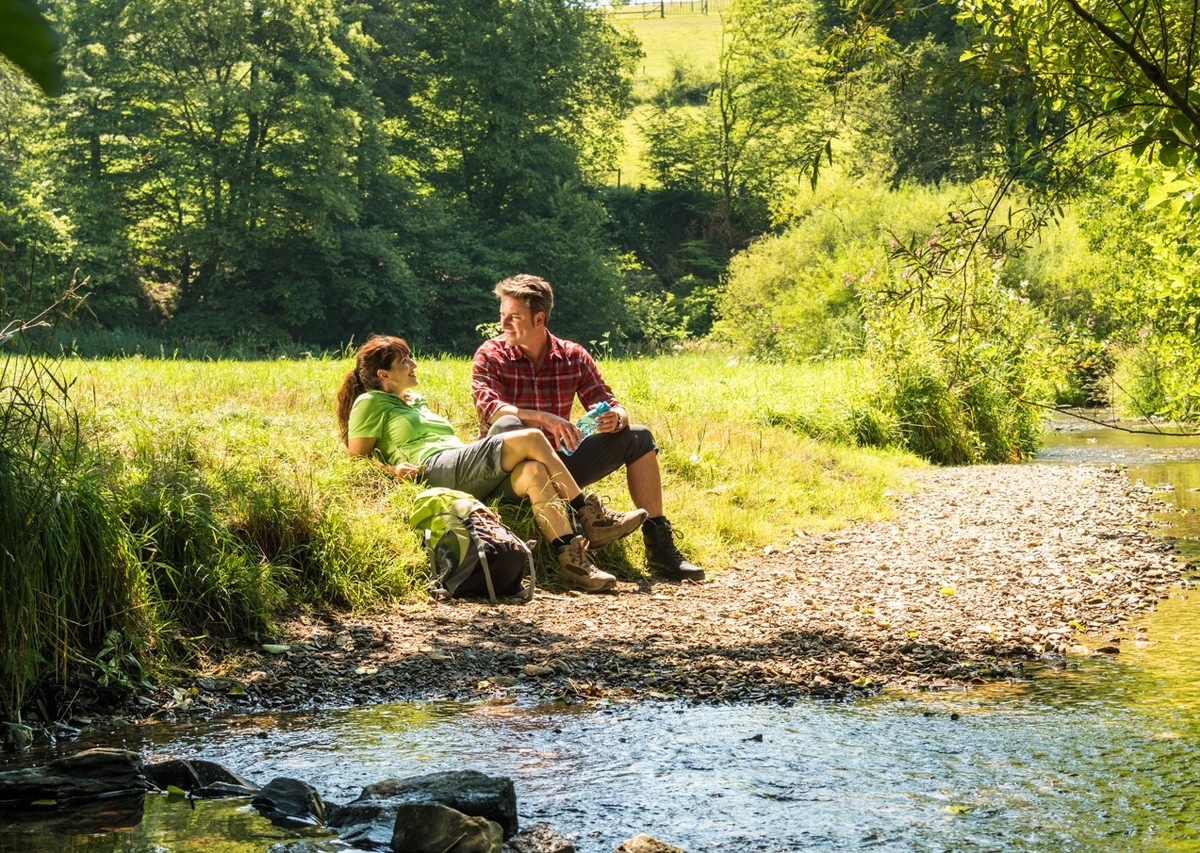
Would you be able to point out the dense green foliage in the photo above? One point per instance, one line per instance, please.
(797, 295)
(313, 171)
(1124, 76)
(959, 352)
(1126, 71)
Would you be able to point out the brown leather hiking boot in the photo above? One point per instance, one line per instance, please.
(575, 569)
(601, 525)
(663, 557)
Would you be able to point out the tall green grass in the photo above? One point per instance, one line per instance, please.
(214, 493)
(68, 575)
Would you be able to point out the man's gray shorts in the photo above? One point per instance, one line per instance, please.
(473, 468)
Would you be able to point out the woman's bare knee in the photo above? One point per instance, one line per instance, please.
(522, 445)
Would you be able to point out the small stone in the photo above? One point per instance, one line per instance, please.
(646, 844)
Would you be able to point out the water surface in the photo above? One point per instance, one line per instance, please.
(1096, 754)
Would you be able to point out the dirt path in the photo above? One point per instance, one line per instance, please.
(984, 569)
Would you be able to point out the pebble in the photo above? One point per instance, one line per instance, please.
(982, 571)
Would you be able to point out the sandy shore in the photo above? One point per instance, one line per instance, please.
(984, 570)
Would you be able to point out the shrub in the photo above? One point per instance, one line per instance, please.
(959, 367)
(798, 295)
(202, 576)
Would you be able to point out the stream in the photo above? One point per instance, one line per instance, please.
(1100, 754)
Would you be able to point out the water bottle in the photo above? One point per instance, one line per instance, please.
(587, 422)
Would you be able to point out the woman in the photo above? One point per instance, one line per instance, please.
(382, 418)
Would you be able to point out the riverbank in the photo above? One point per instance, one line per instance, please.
(983, 571)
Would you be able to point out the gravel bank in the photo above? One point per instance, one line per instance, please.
(984, 570)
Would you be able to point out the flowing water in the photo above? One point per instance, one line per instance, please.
(1103, 754)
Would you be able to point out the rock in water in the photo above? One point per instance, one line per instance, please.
(88, 774)
(432, 828)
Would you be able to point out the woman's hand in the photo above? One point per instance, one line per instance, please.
(404, 471)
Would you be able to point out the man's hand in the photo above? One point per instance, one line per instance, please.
(563, 433)
(614, 420)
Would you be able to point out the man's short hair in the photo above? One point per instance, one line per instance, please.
(533, 291)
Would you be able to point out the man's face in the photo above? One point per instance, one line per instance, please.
(519, 326)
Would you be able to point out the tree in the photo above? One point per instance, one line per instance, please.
(724, 163)
(762, 125)
(312, 170)
(1125, 71)
(504, 110)
(911, 109)
(224, 152)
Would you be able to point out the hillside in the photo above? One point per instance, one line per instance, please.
(685, 42)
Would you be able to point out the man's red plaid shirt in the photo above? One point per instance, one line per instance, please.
(503, 375)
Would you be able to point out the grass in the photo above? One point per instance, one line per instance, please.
(207, 494)
(687, 40)
(259, 438)
(67, 571)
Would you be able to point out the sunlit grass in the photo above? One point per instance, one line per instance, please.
(692, 40)
(262, 443)
(684, 40)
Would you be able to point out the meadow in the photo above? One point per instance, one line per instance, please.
(197, 499)
(684, 42)
(742, 470)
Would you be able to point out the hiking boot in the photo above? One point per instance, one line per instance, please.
(663, 557)
(575, 569)
(600, 525)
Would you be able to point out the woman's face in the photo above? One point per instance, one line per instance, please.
(401, 376)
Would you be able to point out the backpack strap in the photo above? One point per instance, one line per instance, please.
(527, 595)
(487, 571)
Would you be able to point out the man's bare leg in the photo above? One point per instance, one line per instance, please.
(645, 484)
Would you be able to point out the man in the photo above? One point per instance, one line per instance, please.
(527, 377)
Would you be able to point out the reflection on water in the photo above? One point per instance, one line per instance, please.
(165, 825)
(1101, 755)
(1163, 462)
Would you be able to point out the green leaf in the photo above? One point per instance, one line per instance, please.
(28, 40)
(1168, 154)
(1167, 192)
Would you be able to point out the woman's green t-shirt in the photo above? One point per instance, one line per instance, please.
(404, 430)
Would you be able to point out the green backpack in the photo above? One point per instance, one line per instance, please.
(471, 552)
